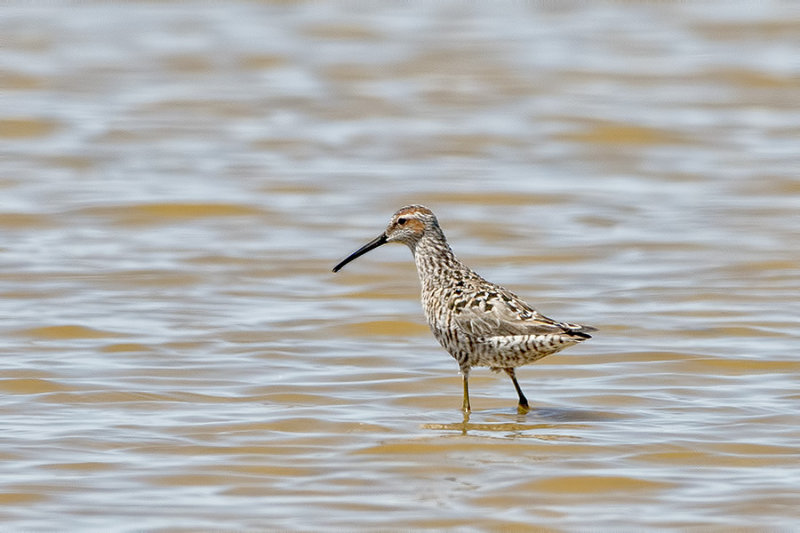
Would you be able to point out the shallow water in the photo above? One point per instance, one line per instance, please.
(176, 184)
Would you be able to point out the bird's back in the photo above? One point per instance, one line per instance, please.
(488, 325)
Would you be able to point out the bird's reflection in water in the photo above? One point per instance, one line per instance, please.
(518, 424)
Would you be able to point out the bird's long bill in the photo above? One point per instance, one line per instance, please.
(371, 245)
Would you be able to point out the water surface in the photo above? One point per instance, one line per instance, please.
(176, 184)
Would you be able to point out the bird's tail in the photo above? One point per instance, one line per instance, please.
(579, 330)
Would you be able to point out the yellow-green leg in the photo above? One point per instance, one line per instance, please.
(465, 380)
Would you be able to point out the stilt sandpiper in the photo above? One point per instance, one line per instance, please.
(477, 322)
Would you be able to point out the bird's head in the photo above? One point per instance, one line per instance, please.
(407, 226)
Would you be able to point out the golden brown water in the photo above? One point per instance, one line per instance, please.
(176, 182)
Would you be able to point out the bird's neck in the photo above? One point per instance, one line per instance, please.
(435, 259)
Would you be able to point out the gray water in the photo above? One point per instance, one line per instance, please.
(177, 181)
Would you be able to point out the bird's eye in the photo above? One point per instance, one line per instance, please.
(401, 221)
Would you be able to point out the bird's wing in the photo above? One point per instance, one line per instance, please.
(498, 312)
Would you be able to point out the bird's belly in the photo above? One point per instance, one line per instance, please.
(517, 350)
(501, 351)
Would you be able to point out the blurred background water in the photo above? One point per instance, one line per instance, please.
(177, 179)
